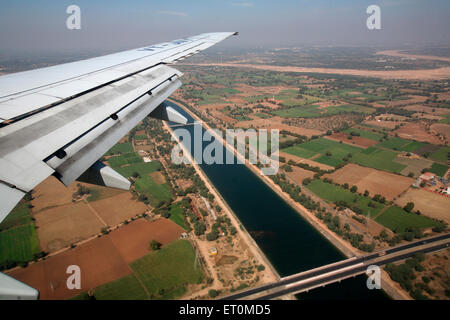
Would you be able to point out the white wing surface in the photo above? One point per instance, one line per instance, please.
(60, 120)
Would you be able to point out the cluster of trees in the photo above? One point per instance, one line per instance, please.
(334, 224)
(222, 225)
(405, 273)
(294, 192)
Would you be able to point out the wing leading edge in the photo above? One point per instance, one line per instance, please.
(60, 120)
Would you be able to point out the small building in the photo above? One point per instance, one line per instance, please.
(447, 191)
(147, 159)
(213, 251)
(184, 235)
(427, 176)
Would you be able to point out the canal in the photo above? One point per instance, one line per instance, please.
(290, 243)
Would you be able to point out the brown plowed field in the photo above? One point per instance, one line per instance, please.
(430, 204)
(51, 193)
(276, 123)
(115, 210)
(133, 240)
(101, 260)
(60, 226)
(442, 128)
(389, 185)
(416, 131)
(298, 174)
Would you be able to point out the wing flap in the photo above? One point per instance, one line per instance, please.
(74, 166)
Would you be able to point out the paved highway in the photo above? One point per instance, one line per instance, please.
(340, 270)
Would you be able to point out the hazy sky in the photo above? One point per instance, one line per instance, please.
(40, 25)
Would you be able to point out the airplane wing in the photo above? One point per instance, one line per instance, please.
(60, 120)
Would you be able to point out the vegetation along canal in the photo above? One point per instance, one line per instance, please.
(290, 243)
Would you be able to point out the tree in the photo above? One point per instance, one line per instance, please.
(135, 175)
(213, 235)
(213, 293)
(199, 228)
(155, 245)
(354, 189)
(409, 206)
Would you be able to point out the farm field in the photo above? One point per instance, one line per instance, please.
(121, 148)
(317, 150)
(375, 181)
(143, 168)
(18, 244)
(154, 188)
(116, 209)
(356, 141)
(430, 204)
(104, 263)
(154, 191)
(315, 111)
(378, 159)
(298, 174)
(166, 272)
(441, 155)
(414, 165)
(132, 241)
(50, 193)
(332, 193)
(176, 215)
(62, 225)
(126, 288)
(398, 220)
(124, 159)
(439, 169)
(400, 144)
(99, 261)
(368, 134)
(20, 215)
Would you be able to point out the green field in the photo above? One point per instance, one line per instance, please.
(367, 134)
(332, 193)
(20, 215)
(212, 95)
(143, 168)
(300, 152)
(313, 111)
(322, 146)
(126, 288)
(155, 192)
(124, 159)
(446, 120)
(400, 144)
(398, 220)
(19, 244)
(123, 148)
(263, 115)
(176, 215)
(140, 137)
(166, 272)
(441, 155)
(378, 159)
(438, 169)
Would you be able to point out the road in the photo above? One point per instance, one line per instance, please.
(341, 270)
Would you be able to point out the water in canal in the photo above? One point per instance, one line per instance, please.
(290, 243)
